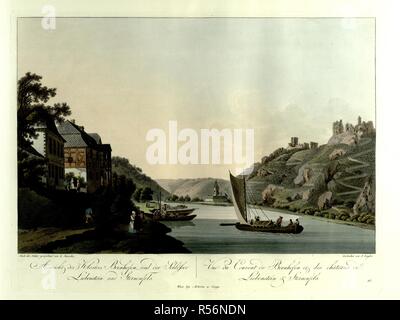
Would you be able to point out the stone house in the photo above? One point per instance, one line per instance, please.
(86, 158)
(50, 145)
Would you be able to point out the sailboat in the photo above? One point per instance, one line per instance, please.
(244, 212)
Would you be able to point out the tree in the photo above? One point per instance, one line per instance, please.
(32, 98)
(147, 194)
(181, 199)
(30, 170)
(32, 110)
(71, 176)
(187, 198)
(174, 197)
(138, 194)
(113, 206)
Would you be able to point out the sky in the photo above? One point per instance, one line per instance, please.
(281, 77)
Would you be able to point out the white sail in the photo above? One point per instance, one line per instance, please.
(239, 198)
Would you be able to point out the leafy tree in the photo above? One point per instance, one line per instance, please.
(32, 98)
(114, 206)
(174, 197)
(181, 199)
(30, 170)
(70, 176)
(138, 194)
(147, 194)
(32, 109)
(187, 198)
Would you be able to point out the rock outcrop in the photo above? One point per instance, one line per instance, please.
(366, 201)
(337, 153)
(325, 200)
(348, 138)
(303, 176)
(268, 193)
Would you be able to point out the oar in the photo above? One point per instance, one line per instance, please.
(227, 224)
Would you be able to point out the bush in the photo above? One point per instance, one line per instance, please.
(58, 209)
(146, 194)
(349, 204)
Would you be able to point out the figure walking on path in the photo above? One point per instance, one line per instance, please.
(88, 215)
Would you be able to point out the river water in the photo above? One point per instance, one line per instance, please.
(205, 235)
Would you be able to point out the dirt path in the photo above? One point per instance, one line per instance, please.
(359, 164)
(28, 240)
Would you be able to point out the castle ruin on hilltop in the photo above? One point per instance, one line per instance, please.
(294, 143)
(361, 128)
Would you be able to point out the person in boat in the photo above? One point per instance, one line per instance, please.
(279, 221)
(297, 223)
(257, 218)
(290, 222)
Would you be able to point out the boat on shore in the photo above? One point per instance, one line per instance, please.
(249, 219)
(178, 211)
(156, 216)
(165, 212)
(181, 210)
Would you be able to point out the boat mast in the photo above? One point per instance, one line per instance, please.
(159, 198)
(245, 198)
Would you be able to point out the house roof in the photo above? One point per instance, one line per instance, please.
(96, 137)
(51, 126)
(75, 136)
(74, 140)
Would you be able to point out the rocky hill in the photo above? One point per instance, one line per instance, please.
(335, 180)
(121, 166)
(201, 188)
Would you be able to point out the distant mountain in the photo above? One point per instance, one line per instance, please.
(201, 187)
(121, 166)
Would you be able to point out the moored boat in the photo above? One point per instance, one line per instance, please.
(180, 212)
(165, 212)
(174, 211)
(168, 217)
